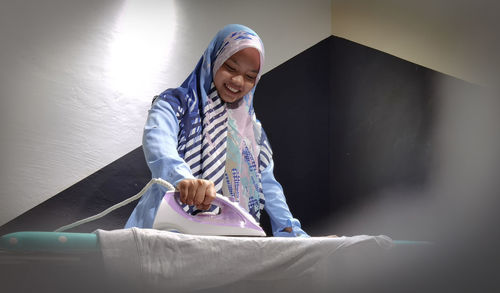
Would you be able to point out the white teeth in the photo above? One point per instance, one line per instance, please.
(232, 89)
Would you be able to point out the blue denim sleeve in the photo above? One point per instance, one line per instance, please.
(277, 208)
(159, 143)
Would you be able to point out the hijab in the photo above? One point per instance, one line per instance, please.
(222, 142)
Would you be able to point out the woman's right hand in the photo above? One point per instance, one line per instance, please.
(198, 192)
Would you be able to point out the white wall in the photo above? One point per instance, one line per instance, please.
(77, 77)
(456, 37)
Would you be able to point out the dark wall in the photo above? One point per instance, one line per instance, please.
(345, 122)
(116, 182)
(293, 103)
(381, 120)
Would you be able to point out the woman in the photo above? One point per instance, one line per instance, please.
(204, 137)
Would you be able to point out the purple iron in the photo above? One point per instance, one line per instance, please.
(232, 220)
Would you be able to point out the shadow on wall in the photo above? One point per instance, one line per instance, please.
(346, 123)
(372, 144)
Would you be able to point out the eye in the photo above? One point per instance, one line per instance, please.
(230, 68)
(250, 77)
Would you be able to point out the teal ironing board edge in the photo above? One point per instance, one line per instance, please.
(61, 242)
(37, 241)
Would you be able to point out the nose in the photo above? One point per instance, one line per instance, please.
(237, 79)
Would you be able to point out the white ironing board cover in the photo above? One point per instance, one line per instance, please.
(181, 262)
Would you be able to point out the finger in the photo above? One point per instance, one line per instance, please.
(203, 207)
(183, 188)
(199, 196)
(209, 194)
(191, 192)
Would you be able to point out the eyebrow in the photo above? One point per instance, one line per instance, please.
(254, 71)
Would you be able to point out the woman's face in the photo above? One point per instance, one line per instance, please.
(237, 76)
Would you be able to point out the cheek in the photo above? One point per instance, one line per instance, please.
(217, 77)
(218, 80)
(248, 87)
(221, 77)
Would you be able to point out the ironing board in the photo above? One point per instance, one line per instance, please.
(68, 242)
(79, 255)
(51, 262)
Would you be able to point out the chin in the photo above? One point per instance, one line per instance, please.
(229, 99)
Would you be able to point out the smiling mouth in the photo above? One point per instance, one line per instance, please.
(231, 89)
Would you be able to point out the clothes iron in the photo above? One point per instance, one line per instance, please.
(231, 220)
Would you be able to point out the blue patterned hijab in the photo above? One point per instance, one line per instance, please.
(222, 142)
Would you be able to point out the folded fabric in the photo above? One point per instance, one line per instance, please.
(162, 260)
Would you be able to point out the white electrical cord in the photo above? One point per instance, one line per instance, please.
(118, 205)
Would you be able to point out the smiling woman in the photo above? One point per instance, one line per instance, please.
(204, 138)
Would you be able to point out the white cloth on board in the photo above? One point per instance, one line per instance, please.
(176, 262)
